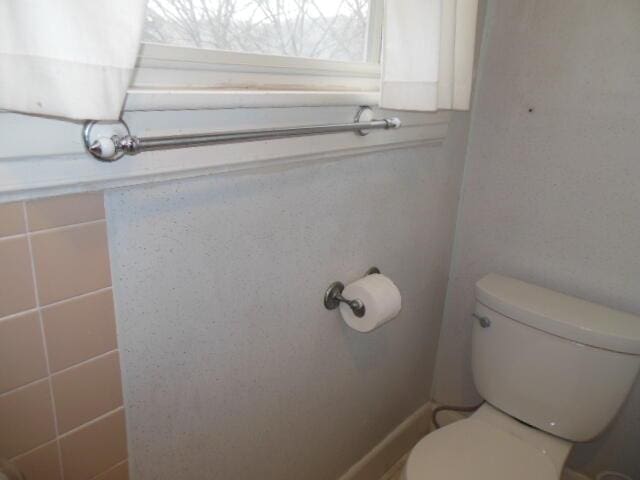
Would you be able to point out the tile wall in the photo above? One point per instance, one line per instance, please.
(61, 408)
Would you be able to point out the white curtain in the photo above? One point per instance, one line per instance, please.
(427, 54)
(68, 58)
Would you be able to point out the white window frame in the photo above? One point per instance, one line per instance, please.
(174, 77)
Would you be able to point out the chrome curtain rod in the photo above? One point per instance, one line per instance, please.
(110, 144)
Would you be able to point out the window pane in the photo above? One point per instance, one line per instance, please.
(333, 29)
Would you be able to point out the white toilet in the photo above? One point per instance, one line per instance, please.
(553, 370)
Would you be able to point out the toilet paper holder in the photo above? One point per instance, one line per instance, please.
(333, 297)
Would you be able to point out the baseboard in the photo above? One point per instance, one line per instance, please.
(393, 447)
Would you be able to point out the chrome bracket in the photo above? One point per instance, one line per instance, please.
(333, 297)
(108, 141)
(364, 114)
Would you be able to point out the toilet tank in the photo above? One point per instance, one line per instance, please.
(555, 362)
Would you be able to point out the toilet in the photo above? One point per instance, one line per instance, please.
(552, 369)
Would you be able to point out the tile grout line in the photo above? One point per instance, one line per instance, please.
(92, 421)
(62, 370)
(37, 311)
(75, 297)
(44, 340)
(22, 387)
(111, 468)
(31, 450)
(11, 316)
(66, 227)
(84, 362)
(73, 430)
(13, 236)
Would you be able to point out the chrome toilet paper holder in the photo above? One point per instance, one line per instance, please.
(333, 297)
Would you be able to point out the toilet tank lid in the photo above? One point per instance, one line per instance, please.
(559, 314)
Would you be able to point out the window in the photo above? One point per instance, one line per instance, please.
(284, 45)
(329, 29)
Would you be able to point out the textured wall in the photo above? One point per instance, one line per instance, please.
(232, 367)
(551, 185)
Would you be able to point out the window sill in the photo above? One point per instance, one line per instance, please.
(141, 99)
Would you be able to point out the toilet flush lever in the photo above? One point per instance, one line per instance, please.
(484, 321)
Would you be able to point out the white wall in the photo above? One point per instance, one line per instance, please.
(232, 367)
(551, 190)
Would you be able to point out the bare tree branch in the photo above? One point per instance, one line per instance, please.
(283, 27)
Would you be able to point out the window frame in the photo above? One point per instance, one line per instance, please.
(194, 76)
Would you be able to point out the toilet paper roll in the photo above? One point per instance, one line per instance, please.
(381, 299)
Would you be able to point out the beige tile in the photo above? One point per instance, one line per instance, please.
(121, 472)
(16, 278)
(79, 329)
(11, 219)
(87, 391)
(26, 416)
(66, 210)
(92, 449)
(71, 261)
(42, 463)
(22, 358)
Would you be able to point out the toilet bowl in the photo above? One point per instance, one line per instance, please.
(552, 369)
(489, 445)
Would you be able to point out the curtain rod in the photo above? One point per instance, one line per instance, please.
(108, 143)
